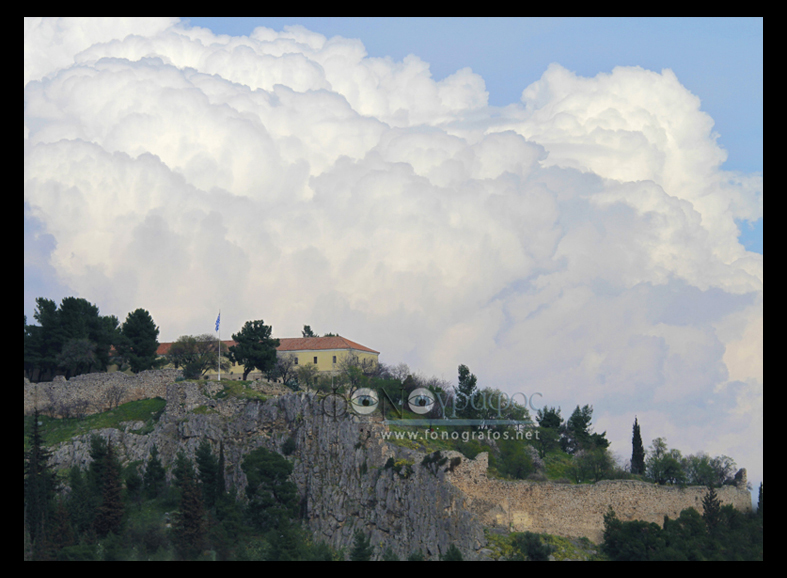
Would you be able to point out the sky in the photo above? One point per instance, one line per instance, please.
(570, 207)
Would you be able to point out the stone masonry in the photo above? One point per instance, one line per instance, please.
(578, 510)
(95, 392)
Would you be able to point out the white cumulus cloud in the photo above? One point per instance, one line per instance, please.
(581, 243)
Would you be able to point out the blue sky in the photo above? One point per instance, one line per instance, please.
(718, 59)
(568, 206)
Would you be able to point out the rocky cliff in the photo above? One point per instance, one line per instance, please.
(339, 466)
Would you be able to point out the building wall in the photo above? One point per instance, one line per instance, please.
(325, 357)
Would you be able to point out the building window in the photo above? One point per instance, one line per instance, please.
(315, 361)
(334, 359)
(296, 361)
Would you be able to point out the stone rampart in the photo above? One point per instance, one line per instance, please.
(578, 510)
(95, 392)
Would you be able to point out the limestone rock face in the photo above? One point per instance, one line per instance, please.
(339, 465)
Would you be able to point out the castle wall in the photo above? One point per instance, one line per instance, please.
(577, 510)
(96, 392)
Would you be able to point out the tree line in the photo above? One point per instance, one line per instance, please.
(718, 533)
(75, 338)
(112, 512)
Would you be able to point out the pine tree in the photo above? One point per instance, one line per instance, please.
(138, 341)
(466, 391)
(81, 507)
(109, 516)
(40, 487)
(62, 535)
(637, 451)
(154, 479)
(221, 488)
(711, 509)
(208, 473)
(452, 555)
(189, 528)
(362, 549)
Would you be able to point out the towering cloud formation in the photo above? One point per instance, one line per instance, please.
(581, 243)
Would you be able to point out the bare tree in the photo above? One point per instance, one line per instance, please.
(113, 395)
(399, 372)
(307, 375)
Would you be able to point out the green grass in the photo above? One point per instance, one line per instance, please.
(56, 430)
(557, 465)
(239, 389)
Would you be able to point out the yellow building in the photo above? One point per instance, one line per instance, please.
(327, 353)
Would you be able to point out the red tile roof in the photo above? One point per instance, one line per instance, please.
(318, 343)
(297, 344)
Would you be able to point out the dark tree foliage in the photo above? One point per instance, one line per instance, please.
(637, 451)
(307, 331)
(362, 550)
(759, 502)
(81, 505)
(711, 510)
(550, 423)
(273, 498)
(221, 488)
(466, 392)
(736, 536)
(109, 516)
(255, 348)
(189, 529)
(627, 541)
(40, 487)
(61, 534)
(208, 466)
(197, 354)
(452, 555)
(138, 342)
(133, 483)
(530, 546)
(73, 337)
(512, 460)
(576, 434)
(154, 480)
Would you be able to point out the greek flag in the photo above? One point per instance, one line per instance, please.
(218, 319)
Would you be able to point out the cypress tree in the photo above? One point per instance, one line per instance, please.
(711, 509)
(637, 451)
(759, 502)
(109, 516)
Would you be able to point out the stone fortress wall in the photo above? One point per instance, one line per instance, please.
(545, 507)
(95, 392)
(575, 510)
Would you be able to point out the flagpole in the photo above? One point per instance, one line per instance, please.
(218, 326)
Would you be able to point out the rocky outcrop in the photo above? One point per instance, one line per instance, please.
(349, 478)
